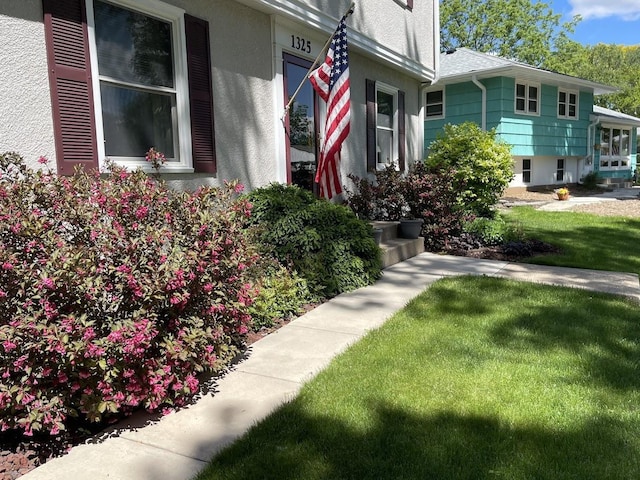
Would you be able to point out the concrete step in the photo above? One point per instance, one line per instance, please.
(394, 249)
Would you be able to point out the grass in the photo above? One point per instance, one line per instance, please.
(586, 240)
(477, 378)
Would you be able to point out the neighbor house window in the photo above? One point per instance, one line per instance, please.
(560, 170)
(435, 104)
(527, 98)
(614, 148)
(567, 104)
(526, 170)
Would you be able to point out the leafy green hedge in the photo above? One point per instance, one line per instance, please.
(325, 243)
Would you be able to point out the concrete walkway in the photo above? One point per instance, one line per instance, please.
(179, 445)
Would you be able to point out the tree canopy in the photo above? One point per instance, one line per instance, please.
(616, 65)
(519, 29)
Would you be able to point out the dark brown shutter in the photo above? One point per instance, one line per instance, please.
(65, 23)
(402, 147)
(200, 94)
(371, 125)
(410, 4)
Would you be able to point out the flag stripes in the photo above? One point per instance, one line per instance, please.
(331, 81)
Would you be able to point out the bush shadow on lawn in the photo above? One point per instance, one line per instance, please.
(409, 446)
(603, 335)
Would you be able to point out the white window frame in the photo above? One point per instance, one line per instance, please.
(568, 104)
(388, 89)
(426, 104)
(612, 161)
(526, 170)
(561, 169)
(183, 163)
(527, 98)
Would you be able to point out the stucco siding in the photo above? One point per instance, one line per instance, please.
(247, 46)
(25, 103)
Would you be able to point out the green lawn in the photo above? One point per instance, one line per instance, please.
(477, 378)
(587, 241)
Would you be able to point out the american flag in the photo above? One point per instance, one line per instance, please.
(331, 81)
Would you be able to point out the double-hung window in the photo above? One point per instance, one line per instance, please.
(385, 126)
(434, 105)
(125, 76)
(527, 98)
(560, 170)
(526, 170)
(567, 104)
(141, 92)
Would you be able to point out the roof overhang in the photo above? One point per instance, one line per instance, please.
(605, 115)
(531, 74)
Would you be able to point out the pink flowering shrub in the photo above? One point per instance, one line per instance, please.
(115, 293)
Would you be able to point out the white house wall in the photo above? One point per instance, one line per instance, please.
(543, 171)
(246, 74)
(25, 102)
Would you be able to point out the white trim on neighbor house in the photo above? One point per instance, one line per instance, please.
(441, 102)
(181, 120)
(615, 153)
(527, 98)
(567, 104)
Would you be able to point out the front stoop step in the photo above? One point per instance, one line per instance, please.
(395, 249)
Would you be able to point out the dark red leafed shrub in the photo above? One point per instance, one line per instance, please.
(421, 193)
(115, 293)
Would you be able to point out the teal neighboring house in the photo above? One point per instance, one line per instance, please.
(557, 134)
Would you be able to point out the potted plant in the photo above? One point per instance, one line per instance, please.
(562, 193)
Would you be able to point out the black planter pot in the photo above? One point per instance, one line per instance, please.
(377, 235)
(410, 228)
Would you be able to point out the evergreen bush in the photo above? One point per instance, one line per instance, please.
(323, 242)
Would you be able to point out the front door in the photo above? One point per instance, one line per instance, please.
(301, 124)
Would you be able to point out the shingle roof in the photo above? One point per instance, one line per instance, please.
(462, 63)
(463, 60)
(605, 113)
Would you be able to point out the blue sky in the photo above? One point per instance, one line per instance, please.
(603, 21)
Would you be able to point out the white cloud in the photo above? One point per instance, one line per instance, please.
(625, 9)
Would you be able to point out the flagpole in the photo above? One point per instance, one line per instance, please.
(315, 62)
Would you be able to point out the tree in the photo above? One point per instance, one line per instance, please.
(483, 164)
(615, 65)
(519, 29)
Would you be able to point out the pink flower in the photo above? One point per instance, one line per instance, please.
(43, 160)
(8, 345)
(141, 212)
(192, 383)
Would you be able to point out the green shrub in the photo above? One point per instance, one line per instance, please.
(483, 164)
(281, 295)
(492, 231)
(116, 293)
(590, 180)
(325, 243)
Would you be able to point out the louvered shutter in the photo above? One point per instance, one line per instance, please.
(410, 4)
(402, 148)
(200, 94)
(371, 125)
(65, 24)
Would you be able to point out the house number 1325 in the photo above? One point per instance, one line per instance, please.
(301, 44)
